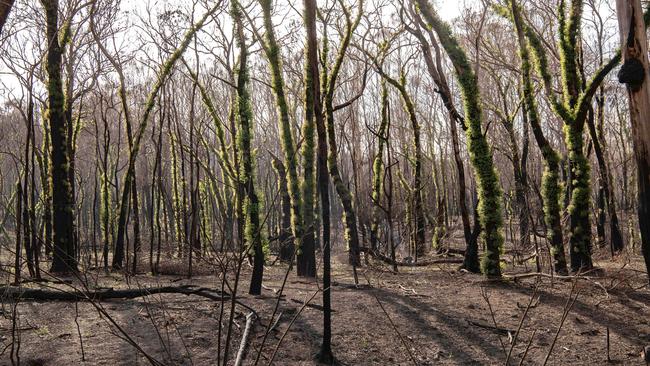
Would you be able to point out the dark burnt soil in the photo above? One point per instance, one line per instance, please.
(429, 315)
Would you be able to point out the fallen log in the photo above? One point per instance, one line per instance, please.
(13, 292)
(21, 293)
(447, 251)
(385, 259)
(550, 275)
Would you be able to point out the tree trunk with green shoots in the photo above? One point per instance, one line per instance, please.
(488, 186)
(63, 207)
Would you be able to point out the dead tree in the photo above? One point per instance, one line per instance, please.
(634, 73)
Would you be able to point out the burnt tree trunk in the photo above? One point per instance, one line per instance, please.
(5, 9)
(635, 49)
(62, 200)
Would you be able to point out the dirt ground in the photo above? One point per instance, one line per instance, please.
(432, 315)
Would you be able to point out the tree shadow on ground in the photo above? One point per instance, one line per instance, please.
(439, 331)
(604, 317)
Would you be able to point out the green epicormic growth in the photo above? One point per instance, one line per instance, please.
(579, 207)
(572, 109)
(284, 231)
(272, 52)
(306, 261)
(418, 236)
(165, 71)
(489, 191)
(222, 153)
(178, 190)
(252, 229)
(61, 188)
(550, 178)
(378, 167)
(328, 81)
(105, 211)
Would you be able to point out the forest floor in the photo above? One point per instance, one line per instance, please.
(429, 315)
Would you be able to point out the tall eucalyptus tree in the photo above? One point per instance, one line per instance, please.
(489, 191)
(63, 206)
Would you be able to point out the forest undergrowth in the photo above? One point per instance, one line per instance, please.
(424, 315)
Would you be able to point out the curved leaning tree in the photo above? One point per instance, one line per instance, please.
(489, 191)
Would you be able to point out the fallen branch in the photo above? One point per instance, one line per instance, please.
(448, 251)
(591, 279)
(503, 331)
(542, 274)
(269, 288)
(276, 322)
(241, 354)
(311, 306)
(352, 286)
(408, 289)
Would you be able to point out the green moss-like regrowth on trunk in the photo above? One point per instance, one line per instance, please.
(418, 219)
(284, 231)
(272, 52)
(253, 235)
(118, 256)
(551, 190)
(579, 208)
(378, 169)
(64, 259)
(306, 260)
(328, 81)
(489, 189)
